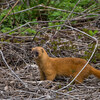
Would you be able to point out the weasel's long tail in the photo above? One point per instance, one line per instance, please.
(95, 72)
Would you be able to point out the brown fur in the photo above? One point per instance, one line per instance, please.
(51, 67)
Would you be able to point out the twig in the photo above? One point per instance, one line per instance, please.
(27, 9)
(74, 19)
(31, 23)
(73, 9)
(38, 84)
(46, 28)
(71, 12)
(41, 5)
(89, 8)
(66, 94)
(16, 76)
(9, 11)
(16, 53)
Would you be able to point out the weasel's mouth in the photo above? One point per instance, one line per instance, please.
(36, 54)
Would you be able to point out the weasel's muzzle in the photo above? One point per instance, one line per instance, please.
(35, 53)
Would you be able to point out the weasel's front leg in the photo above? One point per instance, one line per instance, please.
(42, 75)
(50, 75)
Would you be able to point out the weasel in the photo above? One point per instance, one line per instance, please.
(51, 67)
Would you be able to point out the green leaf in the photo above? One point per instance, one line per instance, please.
(96, 31)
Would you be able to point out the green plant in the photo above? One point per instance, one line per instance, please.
(59, 86)
(93, 32)
(4, 30)
(29, 31)
(35, 14)
(70, 88)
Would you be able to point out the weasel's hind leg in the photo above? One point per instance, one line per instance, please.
(78, 80)
(50, 75)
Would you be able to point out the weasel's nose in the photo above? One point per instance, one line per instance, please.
(36, 53)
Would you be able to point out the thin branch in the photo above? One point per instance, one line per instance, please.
(41, 5)
(27, 24)
(16, 76)
(9, 12)
(74, 19)
(73, 9)
(27, 9)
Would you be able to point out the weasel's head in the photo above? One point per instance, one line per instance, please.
(38, 52)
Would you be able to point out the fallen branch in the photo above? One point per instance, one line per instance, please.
(9, 12)
(41, 5)
(73, 10)
(16, 76)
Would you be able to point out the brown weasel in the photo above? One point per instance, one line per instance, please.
(51, 67)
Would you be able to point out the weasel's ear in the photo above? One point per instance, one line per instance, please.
(42, 50)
